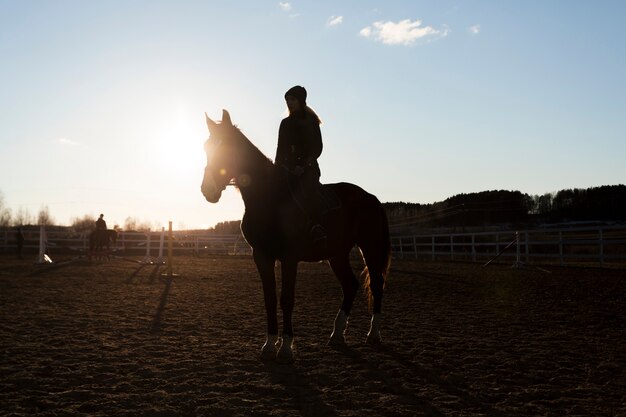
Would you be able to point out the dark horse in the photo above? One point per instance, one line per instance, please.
(99, 240)
(278, 230)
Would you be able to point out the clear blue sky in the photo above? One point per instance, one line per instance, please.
(101, 103)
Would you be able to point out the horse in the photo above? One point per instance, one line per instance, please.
(99, 239)
(277, 229)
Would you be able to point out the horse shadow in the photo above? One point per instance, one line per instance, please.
(305, 396)
(384, 352)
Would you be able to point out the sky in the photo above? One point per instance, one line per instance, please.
(102, 103)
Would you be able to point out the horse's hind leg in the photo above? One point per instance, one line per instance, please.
(376, 287)
(349, 285)
(375, 281)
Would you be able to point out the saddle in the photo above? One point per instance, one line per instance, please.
(326, 199)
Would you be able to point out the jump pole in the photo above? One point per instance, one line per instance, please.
(43, 258)
(170, 252)
(160, 258)
(518, 263)
(147, 259)
(502, 251)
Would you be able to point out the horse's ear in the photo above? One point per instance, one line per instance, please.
(226, 117)
(209, 123)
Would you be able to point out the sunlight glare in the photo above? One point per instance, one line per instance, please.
(179, 145)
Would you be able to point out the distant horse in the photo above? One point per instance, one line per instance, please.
(277, 229)
(99, 240)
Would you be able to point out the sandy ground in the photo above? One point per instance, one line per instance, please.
(459, 340)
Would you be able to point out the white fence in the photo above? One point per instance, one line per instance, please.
(134, 243)
(601, 246)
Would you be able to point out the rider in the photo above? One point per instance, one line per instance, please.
(299, 146)
(100, 223)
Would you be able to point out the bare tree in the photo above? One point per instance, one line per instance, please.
(44, 218)
(5, 213)
(132, 223)
(85, 223)
(23, 217)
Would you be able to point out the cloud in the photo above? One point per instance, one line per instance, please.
(285, 6)
(334, 20)
(66, 142)
(474, 30)
(405, 32)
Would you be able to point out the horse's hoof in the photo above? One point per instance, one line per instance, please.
(337, 340)
(373, 336)
(374, 339)
(269, 350)
(268, 355)
(338, 337)
(285, 353)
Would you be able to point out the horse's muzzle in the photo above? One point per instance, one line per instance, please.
(209, 188)
(212, 197)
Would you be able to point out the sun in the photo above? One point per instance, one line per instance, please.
(178, 145)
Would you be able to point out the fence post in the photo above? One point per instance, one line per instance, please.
(473, 249)
(451, 247)
(561, 248)
(526, 248)
(432, 238)
(601, 237)
(517, 249)
(497, 243)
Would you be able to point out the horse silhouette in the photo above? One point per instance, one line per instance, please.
(278, 229)
(100, 241)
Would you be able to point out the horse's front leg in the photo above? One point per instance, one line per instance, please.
(265, 266)
(289, 270)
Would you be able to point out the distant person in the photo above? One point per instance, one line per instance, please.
(100, 223)
(19, 238)
(299, 146)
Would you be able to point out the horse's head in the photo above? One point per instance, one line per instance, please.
(221, 166)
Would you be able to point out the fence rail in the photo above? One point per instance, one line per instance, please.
(600, 246)
(131, 243)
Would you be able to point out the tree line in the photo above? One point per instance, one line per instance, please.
(23, 217)
(498, 207)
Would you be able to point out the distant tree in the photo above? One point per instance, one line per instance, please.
(543, 204)
(44, 217)
(23, 217)
(132, 223)
(5, 213)
(85, 223)
(487, 207)
(228, 228)
(597, 203)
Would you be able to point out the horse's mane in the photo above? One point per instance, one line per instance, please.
(252, 147)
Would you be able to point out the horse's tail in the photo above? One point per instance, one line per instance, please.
(377, 255)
